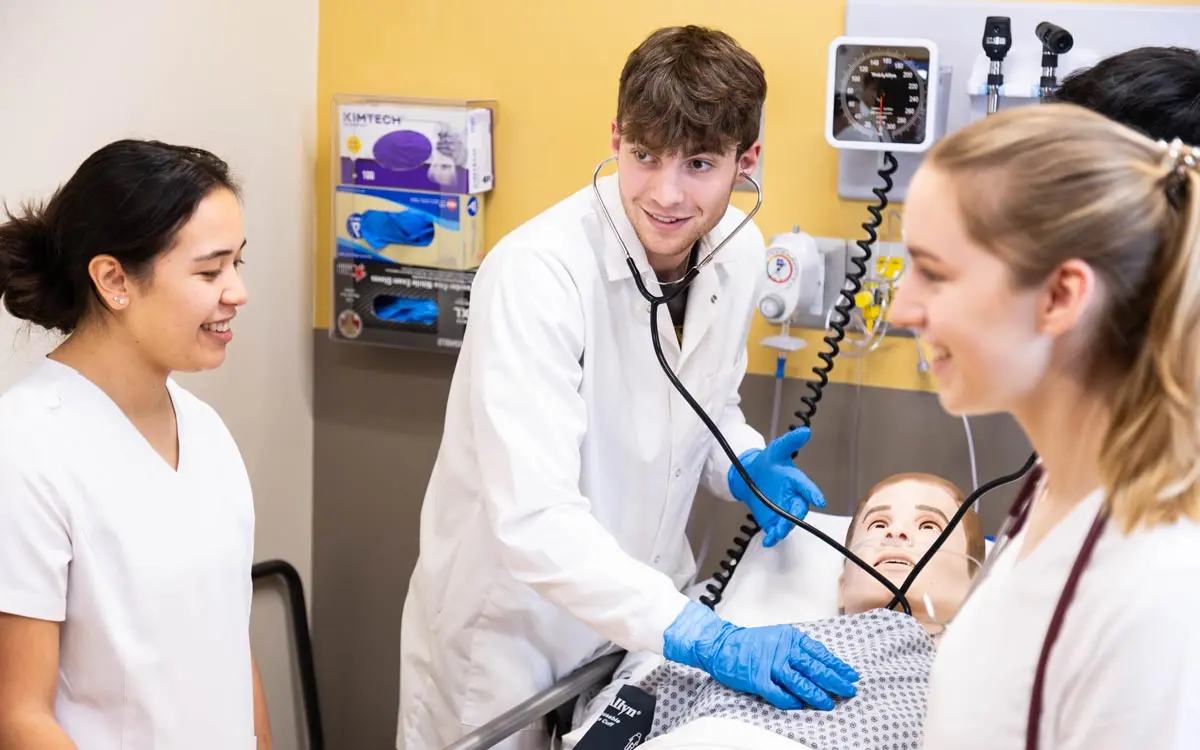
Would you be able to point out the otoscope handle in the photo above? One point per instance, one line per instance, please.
(997, 37)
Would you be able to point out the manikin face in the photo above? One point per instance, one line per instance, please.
(672, 200)
(894, 530)
(178, 317)
(991, 343)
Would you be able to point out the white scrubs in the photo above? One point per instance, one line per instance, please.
(147, 568)
(1125, 671)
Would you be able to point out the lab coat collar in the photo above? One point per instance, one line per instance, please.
(614, 255)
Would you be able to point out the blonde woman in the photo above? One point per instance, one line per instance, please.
(1056, 277)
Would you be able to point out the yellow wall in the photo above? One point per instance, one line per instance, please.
(554, 115)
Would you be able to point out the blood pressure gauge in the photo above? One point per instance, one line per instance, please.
(881, 93)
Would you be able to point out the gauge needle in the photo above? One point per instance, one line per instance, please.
(881, 113)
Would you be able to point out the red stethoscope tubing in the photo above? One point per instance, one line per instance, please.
(1017, 516)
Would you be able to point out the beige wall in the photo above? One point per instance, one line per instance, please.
(238, 78)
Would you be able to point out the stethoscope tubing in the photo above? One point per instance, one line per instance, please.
(1017, 516)
(682, 284)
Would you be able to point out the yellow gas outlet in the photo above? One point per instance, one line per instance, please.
(877, 292)
(889, 267)
(868, 303)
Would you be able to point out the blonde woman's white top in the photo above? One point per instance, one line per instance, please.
(1125, 671)
(147, 568)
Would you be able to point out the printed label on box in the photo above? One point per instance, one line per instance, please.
(402, 226)
(400, 305)
(416, 147)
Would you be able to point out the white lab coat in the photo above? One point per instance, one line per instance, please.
(554, 520)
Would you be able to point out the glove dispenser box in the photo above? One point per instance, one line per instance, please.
(410, 179)
(413, 146)
(437, 230)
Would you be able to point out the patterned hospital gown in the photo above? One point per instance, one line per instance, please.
(892, 653)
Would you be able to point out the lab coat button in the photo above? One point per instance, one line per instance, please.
(678, 473)
(657, 559)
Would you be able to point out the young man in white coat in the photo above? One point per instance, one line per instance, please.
(554, 522)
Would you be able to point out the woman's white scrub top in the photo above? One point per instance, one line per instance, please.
(1124, 673)
(147, 568)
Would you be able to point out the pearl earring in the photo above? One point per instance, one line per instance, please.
(119, 300)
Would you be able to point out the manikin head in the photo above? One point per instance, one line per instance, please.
(139, 250)
(892, 528)
(1056, 260)
(689, 109)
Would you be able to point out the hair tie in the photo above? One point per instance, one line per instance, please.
(1180, 157)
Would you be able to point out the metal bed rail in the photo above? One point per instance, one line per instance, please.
(300, 632)
(541, 705)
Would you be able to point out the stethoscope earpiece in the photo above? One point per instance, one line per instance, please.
(695, 269)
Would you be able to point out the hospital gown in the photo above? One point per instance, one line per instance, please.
(892, 653)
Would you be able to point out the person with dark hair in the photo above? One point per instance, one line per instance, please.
(1154, 90)
(126, 514)
(554, 523)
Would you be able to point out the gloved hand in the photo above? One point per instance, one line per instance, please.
(779, 479)
(779, 663)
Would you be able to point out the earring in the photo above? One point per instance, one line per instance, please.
(119, 300)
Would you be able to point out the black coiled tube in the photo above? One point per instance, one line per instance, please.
(843, 307)
(846, 303)
(729, 564)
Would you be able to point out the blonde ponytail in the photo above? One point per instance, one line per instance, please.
(1067, 183)
(1150, 458)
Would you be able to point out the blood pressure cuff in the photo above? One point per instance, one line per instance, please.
(402, 149)
(406, 310)
(383, 228)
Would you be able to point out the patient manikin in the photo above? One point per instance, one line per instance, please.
(893, 526)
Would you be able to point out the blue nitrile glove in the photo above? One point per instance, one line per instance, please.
(779, 479)
(779, 663)
(406, 310)
(383, 228)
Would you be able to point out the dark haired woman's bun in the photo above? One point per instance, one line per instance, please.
(32, 286)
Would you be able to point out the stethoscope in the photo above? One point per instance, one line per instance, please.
(679, 286)
(1017, 517)
(1015, 521)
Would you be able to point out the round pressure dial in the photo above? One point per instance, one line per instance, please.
(883, 95)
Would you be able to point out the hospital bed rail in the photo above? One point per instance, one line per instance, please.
(286, 572)
(543, 705)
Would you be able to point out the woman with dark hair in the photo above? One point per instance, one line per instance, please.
(126, 514)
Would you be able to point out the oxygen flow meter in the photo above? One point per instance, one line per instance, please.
(881, 94)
